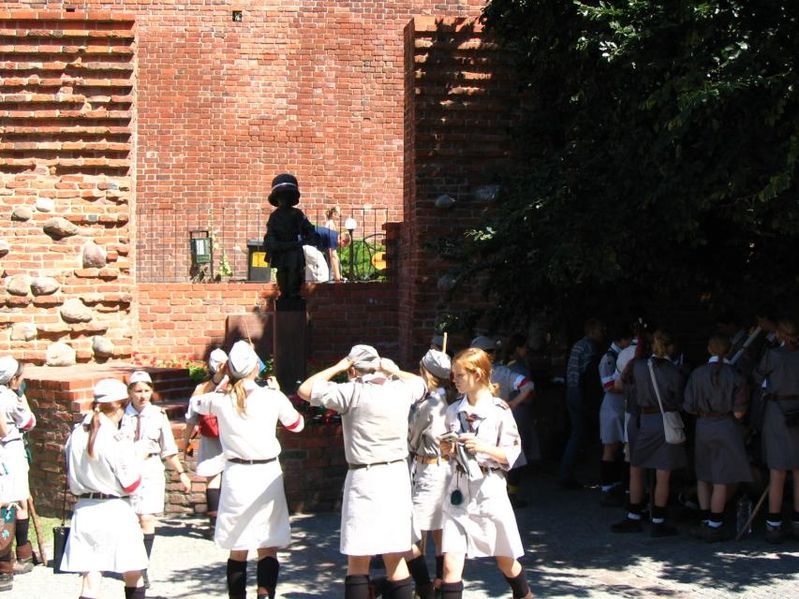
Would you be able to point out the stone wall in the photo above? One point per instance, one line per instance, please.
(67, 145)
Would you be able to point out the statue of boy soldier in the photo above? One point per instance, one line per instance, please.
(286, 232)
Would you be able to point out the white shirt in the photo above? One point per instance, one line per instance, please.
(155, 432)
(252, 435)
(115, 468)
(16, 413)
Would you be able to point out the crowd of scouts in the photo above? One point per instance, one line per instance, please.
(740, 410)
(438, 449)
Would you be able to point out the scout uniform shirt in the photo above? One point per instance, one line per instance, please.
(153, 440)
(105, 534)
(779, 372)
(714, 391)
(18, 419)
(481, 523)
(374, 417)
(253, 512)
(428, 424)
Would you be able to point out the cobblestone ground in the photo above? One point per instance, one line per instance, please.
(570, 553)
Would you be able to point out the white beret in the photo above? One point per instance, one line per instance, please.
(8, 369)
(364, 358)
(437, 363)
(108, 390)
(242, 360)
(217, 358)
(140, 376)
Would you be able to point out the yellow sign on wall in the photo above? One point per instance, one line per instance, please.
(258, 260)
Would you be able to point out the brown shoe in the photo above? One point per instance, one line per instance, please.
(23, 566)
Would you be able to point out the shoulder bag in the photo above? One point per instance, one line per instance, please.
(673, 427)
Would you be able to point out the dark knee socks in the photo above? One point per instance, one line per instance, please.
(212, 503)
(518, 585)
(135, 592)
(356, 586)
(21, 534)
(236, 579)
(399, 589)
(418, 569)
(268, 569)
(452, 590)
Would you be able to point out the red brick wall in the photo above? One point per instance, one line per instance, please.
(184, 320)
(458, 135)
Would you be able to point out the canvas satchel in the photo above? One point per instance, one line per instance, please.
(673, 427)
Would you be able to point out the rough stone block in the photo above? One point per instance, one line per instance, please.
(23, 331)
(93, 255)
(59, 228)
(19, 285)
(44, 285)
(21, 214)
(60, 354)
(75, 310)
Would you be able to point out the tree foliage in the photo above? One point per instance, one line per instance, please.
(659, 155)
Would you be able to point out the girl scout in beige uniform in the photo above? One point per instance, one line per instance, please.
(429, 469)
(376, 514)
(717, 394)
(210, 459)
(779, 372)
(478, 516)
(253, 513)
(17, 419)
(103, 470)
(149, 427)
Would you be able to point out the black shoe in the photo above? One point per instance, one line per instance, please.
(714, 535)
(775, 534)
(627, 525)
(663, 530)
(697, 531)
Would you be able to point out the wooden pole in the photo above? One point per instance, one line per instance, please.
(38, 528)
(444, 344)
(752, 515)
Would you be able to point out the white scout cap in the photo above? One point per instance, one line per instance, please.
(217, 358)
(108, 390)
(140, 376)
(437, 363)
(8, 369)
(484, 343)
(242, 360)
(364, 358)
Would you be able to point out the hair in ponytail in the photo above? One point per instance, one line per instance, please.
(94, 424)
(661, 341)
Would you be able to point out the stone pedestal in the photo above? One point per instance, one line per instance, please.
(291, 345)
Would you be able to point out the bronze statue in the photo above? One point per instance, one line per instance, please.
(286, 232)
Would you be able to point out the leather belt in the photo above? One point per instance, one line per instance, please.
(243, 461)
(424, 459)
(97, 496)
(359, 466)
(713, 414)
(483, 469)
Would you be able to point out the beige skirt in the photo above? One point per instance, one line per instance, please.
(377, 512)
(484, 524)
(105, 536)
(149, 495)
(252, 511)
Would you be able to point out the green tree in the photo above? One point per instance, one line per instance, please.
(658, 155)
